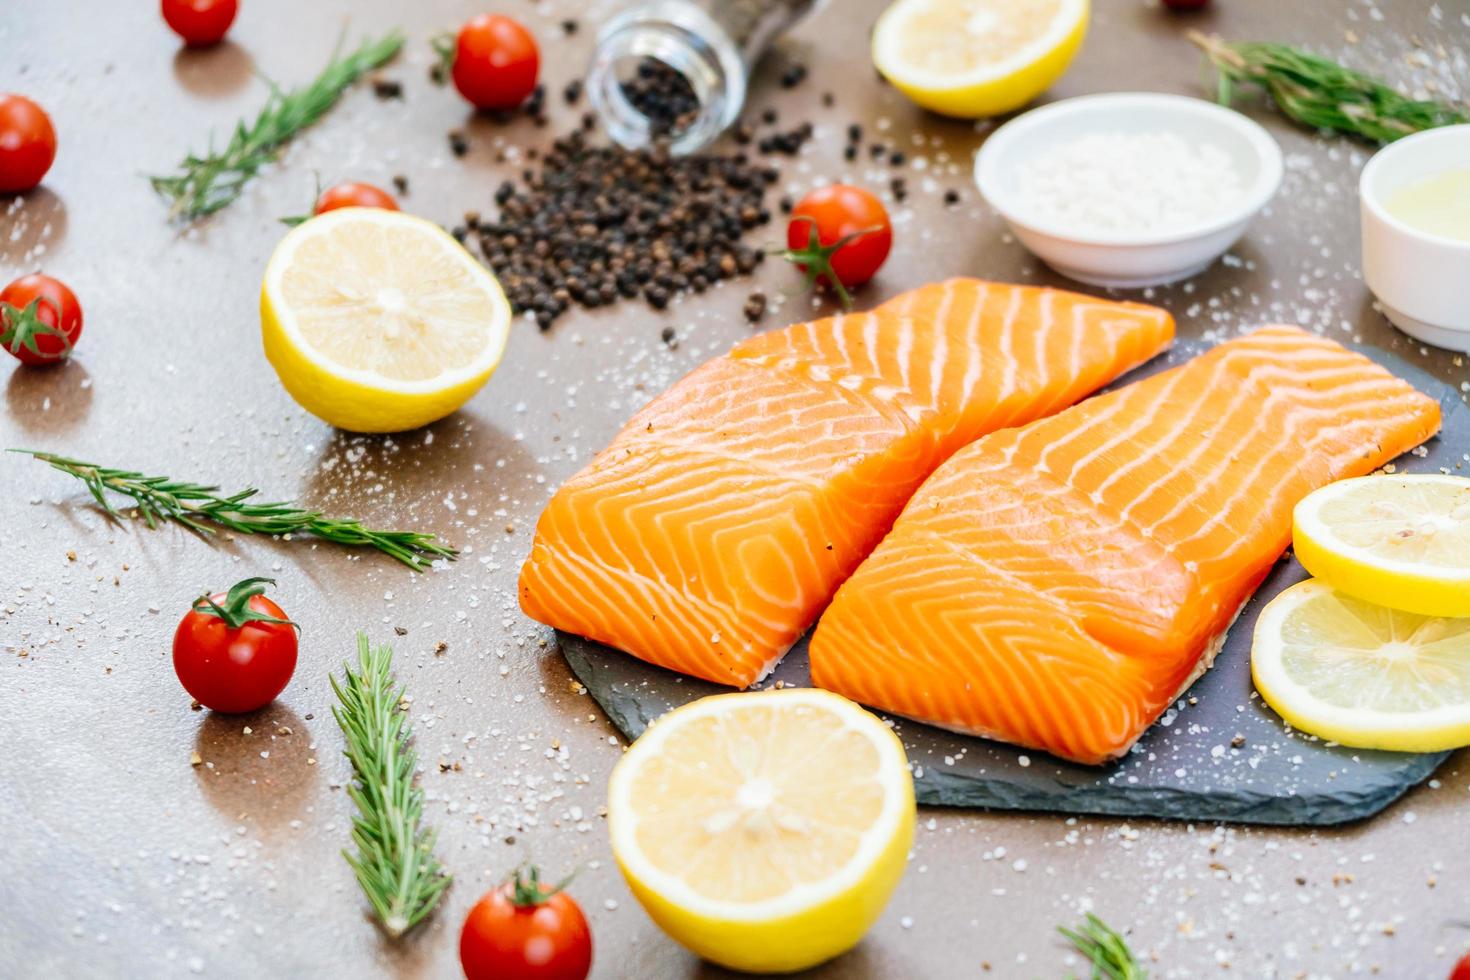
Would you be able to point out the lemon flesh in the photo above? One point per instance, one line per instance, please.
(764, 831)
(378, 321)
(974, 58)
(1364, 675)
(1400, 541)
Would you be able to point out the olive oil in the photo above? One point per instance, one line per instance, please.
(1439, 205)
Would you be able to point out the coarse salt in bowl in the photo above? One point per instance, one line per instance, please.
(1129, 189)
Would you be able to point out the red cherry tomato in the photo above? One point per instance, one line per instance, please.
(27, 144)
(40, 319)
(853, 236)
(1462, 969)
(235, 651)
(495, 62)
(354, 196)
(200, 22)
(524, 930)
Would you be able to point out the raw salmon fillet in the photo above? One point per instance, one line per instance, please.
(1059, 585)
(711, 532)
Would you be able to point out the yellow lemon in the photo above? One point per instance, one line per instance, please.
(974, 58)
(1364, 675)
(764, 831)
(377, 321)
(1400, 541)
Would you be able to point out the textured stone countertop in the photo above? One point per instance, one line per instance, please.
(124, 860)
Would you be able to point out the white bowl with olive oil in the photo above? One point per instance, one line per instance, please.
(1415, 204)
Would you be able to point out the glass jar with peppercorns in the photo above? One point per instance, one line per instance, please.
(675, 72)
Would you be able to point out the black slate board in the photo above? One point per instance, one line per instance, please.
(1184, 767)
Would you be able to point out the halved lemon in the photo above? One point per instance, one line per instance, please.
(976, 58)
(764, 831)
(377, 321)
(1364, 675)
(1400, 541)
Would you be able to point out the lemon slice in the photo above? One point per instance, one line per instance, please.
(1363, 675)
(1401, 541)
(377, 321)
(764, 831)
(975, 58)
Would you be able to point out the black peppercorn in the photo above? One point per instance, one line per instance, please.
(793, 76)
(755, 307)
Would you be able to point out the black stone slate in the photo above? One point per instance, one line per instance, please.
(1185, 767)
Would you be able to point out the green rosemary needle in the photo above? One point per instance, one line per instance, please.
(1321, 93)
(203, 509)
(395, 862)
(204, 184)
(1105, 949)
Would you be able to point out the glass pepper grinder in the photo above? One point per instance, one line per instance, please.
(675, 71)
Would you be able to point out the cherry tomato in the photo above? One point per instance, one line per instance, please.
(1462, 969)
(40, 319)
(495, 62)
(525, 930)
(27, 144)
(200, 22)
(235, 651)
(354, 196)
(853, 236)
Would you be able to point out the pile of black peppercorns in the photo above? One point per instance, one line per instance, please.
(597, 224)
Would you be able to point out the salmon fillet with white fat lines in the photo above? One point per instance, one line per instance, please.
(1059, 585)
(711, 532)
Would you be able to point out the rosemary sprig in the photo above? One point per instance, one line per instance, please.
(204, 184)
(1105, 949)
(201, 508)
(395, 862)
(1321, 93)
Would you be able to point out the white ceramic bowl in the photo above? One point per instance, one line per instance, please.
(1421, 279)
(1131, 259)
